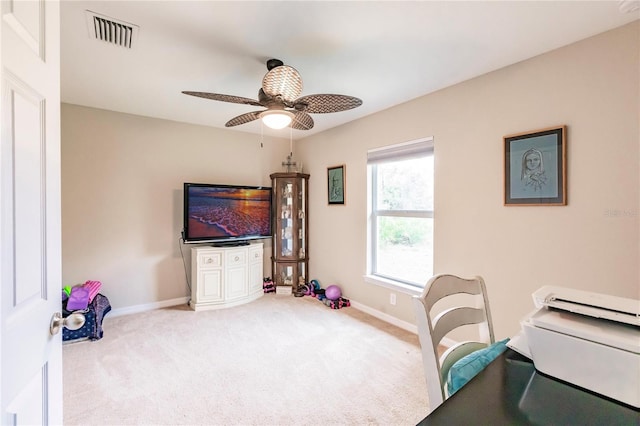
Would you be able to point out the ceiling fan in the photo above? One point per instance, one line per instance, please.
(279, 94)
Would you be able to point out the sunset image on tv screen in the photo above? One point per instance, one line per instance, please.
(228, 212)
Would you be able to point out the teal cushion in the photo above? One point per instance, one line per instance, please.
(467, 367)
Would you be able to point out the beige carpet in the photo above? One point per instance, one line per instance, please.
(277, 361)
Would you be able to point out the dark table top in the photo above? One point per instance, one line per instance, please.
(509, 391)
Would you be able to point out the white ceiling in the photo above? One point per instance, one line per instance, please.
(384, 52)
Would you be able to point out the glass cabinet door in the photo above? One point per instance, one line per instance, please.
(290, 273)
(301, 218)
(290, 244)
(286, 210)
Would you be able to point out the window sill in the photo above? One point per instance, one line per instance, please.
(393, 285)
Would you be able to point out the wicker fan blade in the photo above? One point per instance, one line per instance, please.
(243, 119)
(322, 104)
(283, 81)
(224, 98)
(301, 121)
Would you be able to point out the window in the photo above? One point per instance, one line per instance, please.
(400, 196)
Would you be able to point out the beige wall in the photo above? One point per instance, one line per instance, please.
(122, 179)
(592, 87)
(122, 185)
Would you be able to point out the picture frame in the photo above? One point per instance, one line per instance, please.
(535, 168)
(336, 184)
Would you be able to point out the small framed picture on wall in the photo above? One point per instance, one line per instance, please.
(535, 171)
(336, 184)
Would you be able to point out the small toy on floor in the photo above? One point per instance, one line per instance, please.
(268, 286)
(338, 303)
(333, 292)
(331, 296)
(300, 289)
(311, 288)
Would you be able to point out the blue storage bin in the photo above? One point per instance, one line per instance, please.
(94, 314)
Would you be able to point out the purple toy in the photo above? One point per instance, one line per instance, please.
(78, 299)
(333, 292)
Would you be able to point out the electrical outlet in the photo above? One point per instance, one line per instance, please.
(392, 298)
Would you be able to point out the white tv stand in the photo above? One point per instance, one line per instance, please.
(222, 277)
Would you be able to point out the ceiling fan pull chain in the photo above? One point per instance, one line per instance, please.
(291, 141)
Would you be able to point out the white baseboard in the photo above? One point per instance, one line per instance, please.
(147, 307)
(412, 328)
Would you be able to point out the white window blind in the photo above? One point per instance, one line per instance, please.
(401, 151)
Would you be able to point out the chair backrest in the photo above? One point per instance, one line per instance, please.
(432, 329)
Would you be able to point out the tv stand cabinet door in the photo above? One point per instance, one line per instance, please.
(210, 286)
(207, 277)
(256, 268)
(235, 280)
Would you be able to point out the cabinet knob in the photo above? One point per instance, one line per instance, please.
(208, 260)
(237, 258)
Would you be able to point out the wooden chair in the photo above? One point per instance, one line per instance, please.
(434, 326)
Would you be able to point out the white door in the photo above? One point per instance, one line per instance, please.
(30, 358)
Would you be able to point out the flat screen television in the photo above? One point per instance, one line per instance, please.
(226, 214)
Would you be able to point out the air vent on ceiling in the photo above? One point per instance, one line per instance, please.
(111, 30)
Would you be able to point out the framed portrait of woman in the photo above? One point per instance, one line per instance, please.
(535, 168)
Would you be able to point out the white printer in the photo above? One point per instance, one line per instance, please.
(588, 339)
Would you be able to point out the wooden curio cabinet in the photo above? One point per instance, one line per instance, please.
(290, 259)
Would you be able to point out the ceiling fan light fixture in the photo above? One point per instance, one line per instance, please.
(280, 89)
(278, 119)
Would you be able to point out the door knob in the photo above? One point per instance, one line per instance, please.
(72, 322)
